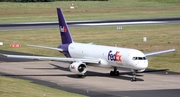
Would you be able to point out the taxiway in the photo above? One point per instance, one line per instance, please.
(98, 82)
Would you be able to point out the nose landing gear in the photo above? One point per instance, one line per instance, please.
(134, 75)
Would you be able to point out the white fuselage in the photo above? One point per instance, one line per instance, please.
(110, 56)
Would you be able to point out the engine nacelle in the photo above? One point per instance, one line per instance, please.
(78, 67)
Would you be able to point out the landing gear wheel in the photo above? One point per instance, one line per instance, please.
(111, 73)
(133, 79)
(115, 72)
(134, 75)
(81, 76)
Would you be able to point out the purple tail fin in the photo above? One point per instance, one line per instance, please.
(64, 31)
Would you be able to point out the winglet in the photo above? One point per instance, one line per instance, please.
(4, 54)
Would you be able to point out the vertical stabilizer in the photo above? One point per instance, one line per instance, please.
(64, 31)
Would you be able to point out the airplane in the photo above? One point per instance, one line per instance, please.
(81, 55)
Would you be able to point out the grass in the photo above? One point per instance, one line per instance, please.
(162, 1)
(12, 87)
(51, 37)
(159, 37)
(89, 10)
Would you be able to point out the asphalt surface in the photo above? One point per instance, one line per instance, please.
(50, 25)
(98, 83)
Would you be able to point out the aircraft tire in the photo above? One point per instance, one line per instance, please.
(117, 73)
(111, 73)
(81, 76)
(133, 79)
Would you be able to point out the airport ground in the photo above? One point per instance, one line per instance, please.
(97, 83)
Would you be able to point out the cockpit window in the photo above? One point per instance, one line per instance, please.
(134, 58)
(139, 58)
(144, 58)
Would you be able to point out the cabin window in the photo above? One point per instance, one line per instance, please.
(139, 58)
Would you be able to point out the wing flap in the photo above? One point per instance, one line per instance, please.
(159, 52)
(93, 61)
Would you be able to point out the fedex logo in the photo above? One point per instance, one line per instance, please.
(63, 29)
(114, 56)
(73, 67)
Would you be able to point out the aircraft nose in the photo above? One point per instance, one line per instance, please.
(142, 64)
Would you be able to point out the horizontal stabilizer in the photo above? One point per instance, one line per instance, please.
(57, 49)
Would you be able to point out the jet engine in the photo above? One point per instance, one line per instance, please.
(78, 67)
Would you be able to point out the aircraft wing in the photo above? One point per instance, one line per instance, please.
(58, 49)
(159, 52)
(93, 61)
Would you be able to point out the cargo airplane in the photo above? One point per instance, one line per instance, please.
(80, 55)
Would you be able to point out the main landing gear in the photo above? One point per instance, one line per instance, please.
(81, 76)
(115, 72)
(134, 75)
